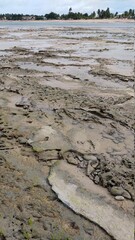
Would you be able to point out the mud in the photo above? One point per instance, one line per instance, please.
(65, 94)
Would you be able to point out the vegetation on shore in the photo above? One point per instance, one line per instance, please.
(100, 14)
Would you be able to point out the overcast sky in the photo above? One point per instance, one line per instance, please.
(62, 6)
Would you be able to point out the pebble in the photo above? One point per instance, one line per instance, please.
(116, 191)
(126, 194)
(89, 169)
(119, 191)
(90, 157)
(119, 198)
(96, 179)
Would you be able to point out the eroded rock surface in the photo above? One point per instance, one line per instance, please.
(92, 201)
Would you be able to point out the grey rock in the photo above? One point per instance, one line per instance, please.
(96, 179)
(119, 191)
(116, 191)
(126, 194)
(89, 169)
(69, 156)
(22, 140)
(90, 157)
(23, 103)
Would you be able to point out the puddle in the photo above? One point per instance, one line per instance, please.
(4, 53)
(122, 68)
(99, 81)
(63, 85)
(116, 52)
(71, 61)
(74, 71)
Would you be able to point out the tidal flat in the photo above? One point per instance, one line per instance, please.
(67, 131)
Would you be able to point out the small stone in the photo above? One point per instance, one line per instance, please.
(94, 163)
(96, 179)
(22, 140)
(126, 194)
(116, 191)
(90, 157)
(119, 198)
(89, 170)
(72, 160)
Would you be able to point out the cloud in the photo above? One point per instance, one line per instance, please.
(62, 6)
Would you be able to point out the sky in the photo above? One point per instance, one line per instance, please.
(41, 7)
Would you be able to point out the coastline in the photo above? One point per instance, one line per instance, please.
(79, 20)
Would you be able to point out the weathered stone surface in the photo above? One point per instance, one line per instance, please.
(92, 201)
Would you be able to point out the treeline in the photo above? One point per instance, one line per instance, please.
(100, 14)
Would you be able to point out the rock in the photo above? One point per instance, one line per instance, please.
(119, 191)
(90, 157)
(97, 179)
(119, 198)
(48, 155)
(82, 164)
(89, 169)
(22, 140)
(126, 194)
(91, 201)
(116, 191)
(23, 103)
(94, 163)
(69, 156)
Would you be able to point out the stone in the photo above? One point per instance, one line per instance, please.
(116, 191)
(48, 155)
(97, 179)
(91, 201)
(119, 198)
(72, 161)
(94, 163)
(90, 157)
(70, 157)
(22, 140)
(119, 191)
(89, 169)
(126, 194)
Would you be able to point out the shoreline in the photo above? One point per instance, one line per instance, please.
(79, 20)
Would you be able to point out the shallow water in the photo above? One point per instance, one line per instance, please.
(36, 24)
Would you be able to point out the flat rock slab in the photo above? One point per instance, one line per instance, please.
(47, 138)
(93, 202)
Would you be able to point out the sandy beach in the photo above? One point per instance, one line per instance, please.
(66, 131)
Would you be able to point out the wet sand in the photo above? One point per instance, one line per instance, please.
(66, 95)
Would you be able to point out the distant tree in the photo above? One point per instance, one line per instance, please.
(85, 15)
(107, 13)
(93, 15)
(16, 17)
(70, 10)
(99, 13)
(52, 16)
(39, 17)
